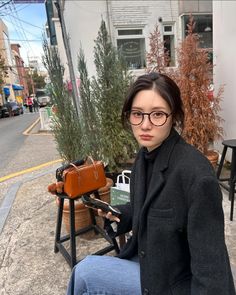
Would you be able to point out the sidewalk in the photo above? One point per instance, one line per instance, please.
(28, 264)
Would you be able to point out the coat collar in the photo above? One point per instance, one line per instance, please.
(157, 181)
(165, 151)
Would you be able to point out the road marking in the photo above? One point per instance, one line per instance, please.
(28, 170)
(26, 132)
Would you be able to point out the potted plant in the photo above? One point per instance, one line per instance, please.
(102, 97)
(66, 125)
(193, 75)
(69, 132)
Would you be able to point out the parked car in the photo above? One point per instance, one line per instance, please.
(16, 108)
(4, 112)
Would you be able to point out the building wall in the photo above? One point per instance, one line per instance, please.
(54, 32)
(20, 69)
(195, 6)
(224, 41)
(83, 19)
(12, 75)
(61, 48)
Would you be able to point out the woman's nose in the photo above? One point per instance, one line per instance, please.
(146, 124)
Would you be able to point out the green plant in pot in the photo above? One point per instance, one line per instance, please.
(102, 97)
(66, 125)
(67, 129)
(70, 131)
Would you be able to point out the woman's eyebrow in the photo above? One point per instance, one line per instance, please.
(154, 108)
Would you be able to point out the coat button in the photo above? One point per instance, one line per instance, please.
(145, 292)
(142, 254)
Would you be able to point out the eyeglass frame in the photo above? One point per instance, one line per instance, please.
(148, 114)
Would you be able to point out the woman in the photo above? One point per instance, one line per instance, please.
(175, 210)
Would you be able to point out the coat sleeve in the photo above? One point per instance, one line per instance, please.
(125, 224)
(211, 273)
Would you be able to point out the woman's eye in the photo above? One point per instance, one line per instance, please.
(136, 114)
(157, 114)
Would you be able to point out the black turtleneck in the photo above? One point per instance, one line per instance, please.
(150, 159)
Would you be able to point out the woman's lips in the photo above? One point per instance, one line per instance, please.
(146, 137)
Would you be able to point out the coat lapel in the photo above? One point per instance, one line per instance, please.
(140, 187)
(160, 165)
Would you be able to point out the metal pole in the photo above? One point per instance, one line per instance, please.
(30, 73)
(31, 81)
(75, 94)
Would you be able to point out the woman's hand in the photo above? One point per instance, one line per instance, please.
(108, 216)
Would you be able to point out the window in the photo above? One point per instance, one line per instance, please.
(203, 27)
(131, 43)
(169, 43)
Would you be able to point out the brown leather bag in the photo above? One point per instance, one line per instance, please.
(79, 180)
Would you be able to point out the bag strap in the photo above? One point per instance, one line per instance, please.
(94, 165)
(72, 164)
(91, 159)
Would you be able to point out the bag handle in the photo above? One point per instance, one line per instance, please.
(94, 165)
(91, 159)
(122, 177)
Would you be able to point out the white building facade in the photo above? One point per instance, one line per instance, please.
(129, 23)
(11, 78)
(224, 42)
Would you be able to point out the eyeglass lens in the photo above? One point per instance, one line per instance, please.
(156, 118)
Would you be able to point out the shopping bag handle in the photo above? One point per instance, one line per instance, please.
(122, 177)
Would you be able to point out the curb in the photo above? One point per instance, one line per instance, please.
(10, 196)
(27, 131)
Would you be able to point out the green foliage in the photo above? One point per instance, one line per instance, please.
(88, 112)
(66, 125)
(38, 80)
(104, 95)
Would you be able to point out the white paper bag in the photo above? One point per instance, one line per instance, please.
(120, 192)
(123, 181)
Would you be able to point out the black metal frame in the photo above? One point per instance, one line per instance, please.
(59, 247)
(230, 187)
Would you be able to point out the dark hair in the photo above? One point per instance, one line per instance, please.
(165, 86)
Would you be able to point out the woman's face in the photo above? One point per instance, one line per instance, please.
(147, 134)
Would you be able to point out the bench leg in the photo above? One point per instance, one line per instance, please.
(58, 226)
(221, 162)
(72, 233)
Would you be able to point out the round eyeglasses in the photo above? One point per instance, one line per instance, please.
(157, 118)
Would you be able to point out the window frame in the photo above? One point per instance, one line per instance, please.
(170, 33)
(131, 37)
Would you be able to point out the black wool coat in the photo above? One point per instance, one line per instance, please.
(178, 225)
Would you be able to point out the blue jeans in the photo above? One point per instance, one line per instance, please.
(105, 275)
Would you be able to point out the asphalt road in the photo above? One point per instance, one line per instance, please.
(11, 130)
(19, 151)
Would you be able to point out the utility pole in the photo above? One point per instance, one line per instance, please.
(30, 73)
(75, 94)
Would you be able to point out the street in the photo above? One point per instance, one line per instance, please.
(19, 151)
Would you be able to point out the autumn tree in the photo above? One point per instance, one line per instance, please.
(157, 58)
(193, 76)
